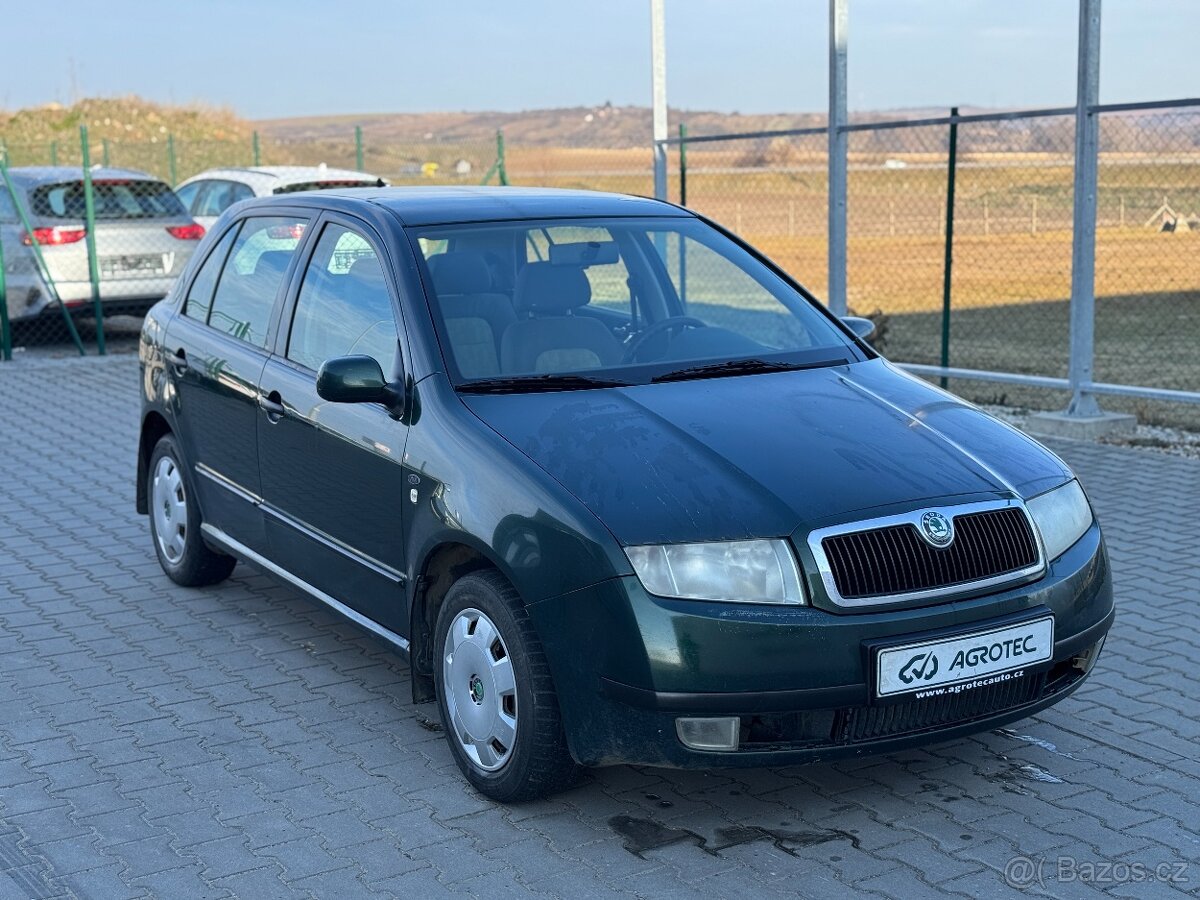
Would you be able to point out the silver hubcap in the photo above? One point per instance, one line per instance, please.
(168, 505)
(481, 690)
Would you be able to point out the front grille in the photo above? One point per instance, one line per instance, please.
(897, 560)
(869, 723)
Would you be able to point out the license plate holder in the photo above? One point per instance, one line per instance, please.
(949, 663)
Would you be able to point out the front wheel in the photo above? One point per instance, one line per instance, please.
(175, 522)
(499, 709)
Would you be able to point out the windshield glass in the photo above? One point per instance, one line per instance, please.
(563, 303)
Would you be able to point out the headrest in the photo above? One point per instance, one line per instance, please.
(460, 272)
(542, 287)
(272, 262)
(365, 268)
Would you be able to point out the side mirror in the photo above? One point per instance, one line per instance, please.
(863, 328)
(353, 379)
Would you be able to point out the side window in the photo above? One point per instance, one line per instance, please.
(251, 278)
(200, 291)
(187, 194)
(344, 307)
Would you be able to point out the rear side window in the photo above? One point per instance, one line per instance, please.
(114, 199)
(200, 292)
(251, 278)
(220, 195)
(344, 307)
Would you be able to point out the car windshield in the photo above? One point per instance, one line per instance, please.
(114, 199)
(575, 303)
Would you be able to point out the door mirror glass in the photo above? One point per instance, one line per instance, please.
(863, 328)
(352, 379)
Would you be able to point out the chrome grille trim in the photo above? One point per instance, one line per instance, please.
(824, 568)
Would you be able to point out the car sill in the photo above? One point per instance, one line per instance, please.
(237, 548)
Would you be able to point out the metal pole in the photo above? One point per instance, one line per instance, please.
(358, 148)
(5, 328)
(257, 154)
(948, 260)
(54, 153)
(501, 164)
(682, 164)
(104, 152)
(683, 202)
(839, 18)
(658, 92)
(171, 168)
(1083, 247)
(89, 235)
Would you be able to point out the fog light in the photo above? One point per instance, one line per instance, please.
(709, 734)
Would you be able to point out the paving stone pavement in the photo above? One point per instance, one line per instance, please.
(241, 741)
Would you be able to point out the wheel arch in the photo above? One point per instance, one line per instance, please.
(442, 563)
(154, 426)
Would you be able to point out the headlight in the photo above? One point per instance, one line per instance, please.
(761, 571)
(1062, 516)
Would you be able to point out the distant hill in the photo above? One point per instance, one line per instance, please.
(129, 119)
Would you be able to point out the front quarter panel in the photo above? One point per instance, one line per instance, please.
(467, 485)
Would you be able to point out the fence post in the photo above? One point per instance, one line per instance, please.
(171, 173)
(39, 260)
(54, 153)
(104, 152)
(5, 332)
(501, 163)
(89, 224)
(839, 19)
(358, 148)
(682, 164)
(1083, 246)
(948, 259)
(658, 92)
(257, 152)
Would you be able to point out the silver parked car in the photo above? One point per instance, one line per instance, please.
(210, 193)
(144, 239)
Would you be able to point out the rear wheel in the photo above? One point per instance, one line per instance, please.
(175, 522)
(499, 708)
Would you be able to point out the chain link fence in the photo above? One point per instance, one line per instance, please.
(92, 233)
(995, 295)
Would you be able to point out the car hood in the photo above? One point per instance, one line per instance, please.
(764, 455)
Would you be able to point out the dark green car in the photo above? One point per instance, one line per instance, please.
(620, 489)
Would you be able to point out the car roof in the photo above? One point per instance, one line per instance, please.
(34, 175)
(273, 176)
(444, 205)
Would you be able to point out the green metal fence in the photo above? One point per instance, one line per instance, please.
(86, 250)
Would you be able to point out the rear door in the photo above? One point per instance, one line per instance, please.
(331, 473)
(216, 348)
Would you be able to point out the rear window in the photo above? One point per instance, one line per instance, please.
(326, 185)
(133, 199)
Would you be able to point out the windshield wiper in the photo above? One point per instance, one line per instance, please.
(744, 367)
(532, 383)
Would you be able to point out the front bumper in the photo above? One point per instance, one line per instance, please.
(627, 664)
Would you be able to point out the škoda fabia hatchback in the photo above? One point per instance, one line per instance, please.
(619, 488)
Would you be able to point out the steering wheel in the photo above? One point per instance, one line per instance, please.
(668, 324)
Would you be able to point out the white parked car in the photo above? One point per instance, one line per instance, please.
(210, 193)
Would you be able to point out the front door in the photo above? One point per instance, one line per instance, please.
(216, 350)
(331, 473)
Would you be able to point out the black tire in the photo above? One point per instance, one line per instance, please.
(539, 762)
(198, 564)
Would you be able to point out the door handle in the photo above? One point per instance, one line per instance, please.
(272, 405)
(178, 361)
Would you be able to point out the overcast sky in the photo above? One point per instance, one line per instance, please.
(269, 58)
